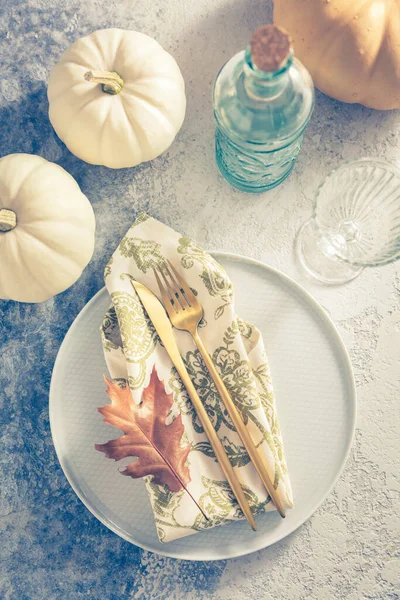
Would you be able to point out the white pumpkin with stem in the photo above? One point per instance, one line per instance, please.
(47, 228)
(116, 98)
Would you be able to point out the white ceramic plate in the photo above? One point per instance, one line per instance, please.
(315, 394)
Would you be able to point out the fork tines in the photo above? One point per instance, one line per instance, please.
(175, 289)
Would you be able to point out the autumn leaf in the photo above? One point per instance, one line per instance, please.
(146, 435)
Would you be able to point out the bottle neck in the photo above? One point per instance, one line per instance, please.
(260, 85)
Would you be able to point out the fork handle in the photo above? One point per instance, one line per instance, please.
(252, 451)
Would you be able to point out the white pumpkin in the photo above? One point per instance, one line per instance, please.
(116, 98)
(46, 229)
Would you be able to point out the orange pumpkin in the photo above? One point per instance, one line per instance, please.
(350, 47)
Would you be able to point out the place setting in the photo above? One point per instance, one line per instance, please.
(200, 478)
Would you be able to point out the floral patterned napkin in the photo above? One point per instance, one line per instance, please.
(132, 348)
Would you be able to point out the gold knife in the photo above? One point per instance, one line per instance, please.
(163, 326)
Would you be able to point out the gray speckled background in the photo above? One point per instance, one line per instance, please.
(51, 546)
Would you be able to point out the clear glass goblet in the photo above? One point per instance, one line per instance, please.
(355, 223)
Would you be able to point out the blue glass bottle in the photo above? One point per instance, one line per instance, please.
(263, 100)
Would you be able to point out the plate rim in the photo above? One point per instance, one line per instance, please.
(96, 512)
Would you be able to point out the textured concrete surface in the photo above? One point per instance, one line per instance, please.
(52, 547)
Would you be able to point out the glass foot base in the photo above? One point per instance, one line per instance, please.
(318, 259)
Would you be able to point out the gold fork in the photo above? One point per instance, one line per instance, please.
(185, 313)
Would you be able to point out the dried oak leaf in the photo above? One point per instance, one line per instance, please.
(146, 436)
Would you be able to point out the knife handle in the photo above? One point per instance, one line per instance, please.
(217, 446)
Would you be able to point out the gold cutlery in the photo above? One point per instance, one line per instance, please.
(162, 324)
(185, 313)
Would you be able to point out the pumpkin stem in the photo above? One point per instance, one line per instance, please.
(8, 220)
(111, 82)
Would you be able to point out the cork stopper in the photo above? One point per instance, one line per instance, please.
(270, 48)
